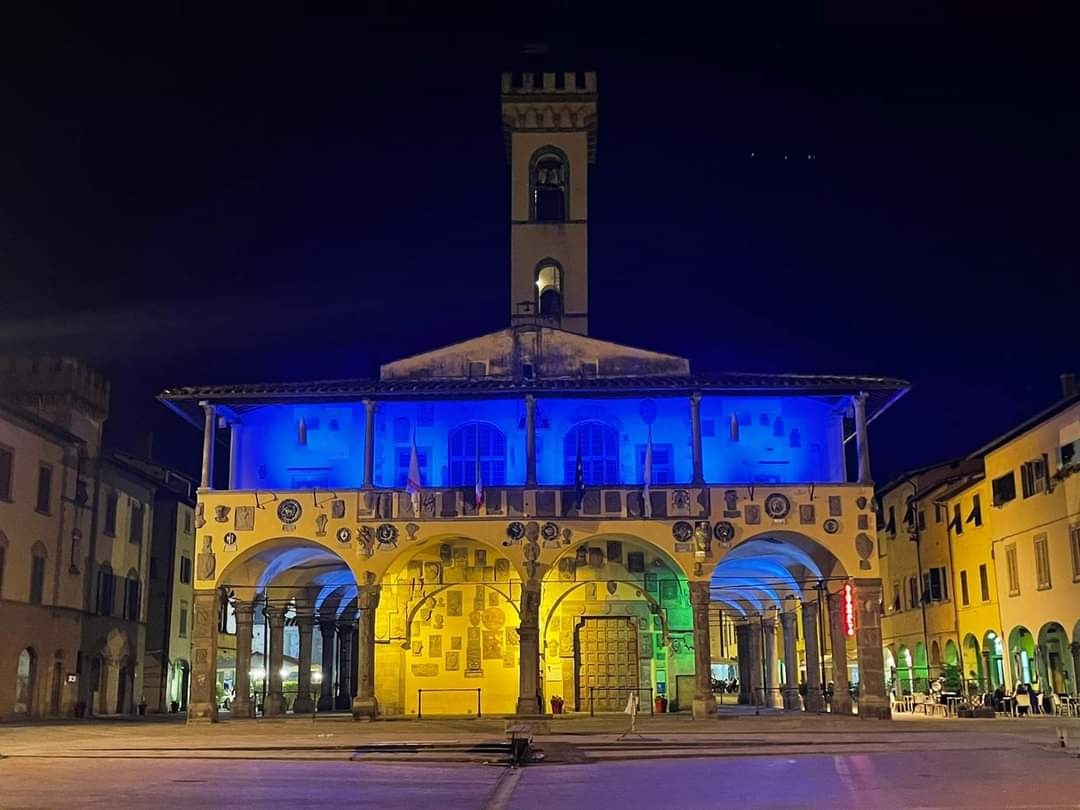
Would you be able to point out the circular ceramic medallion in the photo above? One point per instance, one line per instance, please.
(549, 531)
(344, 534)
(289, 510)
(724, 531)
(230, 539)
(682, 531)
(777, 506)
(494, 618)
(386, 534)
(831, 526)
(515, 530)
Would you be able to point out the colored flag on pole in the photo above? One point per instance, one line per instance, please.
(579, 474)
(479, 479)
(647, 476)
(412, 483)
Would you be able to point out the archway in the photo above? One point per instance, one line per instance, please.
(921, 668)
(1054, 659)
(606, 608)
(972, 664)
(279, 592)
(125, 676)
(904, 671)
(993, 656)
(1022, 656)
(773, 578)
(952, 669)
(25, 682)
(447, 631)
(892, 678)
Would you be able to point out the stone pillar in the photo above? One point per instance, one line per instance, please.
(530, 701)
(862, 438)
(841, 699)
(815, 701)
(757, 683)
(242, 706)
(326, 693)
(695, 437)
(234, 455)
(530, 440)
(369, 451)
(365, 704)
(788, 624)
(305, 623)
(772, 666)
(202, 701)
(275, 700)
(873, 698)
(987, 684)
(346, 651)
(742, 644)
(110, 685)
(209, 427)
(704, 701)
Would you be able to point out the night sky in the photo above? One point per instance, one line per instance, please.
(202, 199)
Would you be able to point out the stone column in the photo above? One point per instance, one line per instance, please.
(275, 700)
(202, 701)
(788, 624)
(757, 684)
(772, 667)
(326, 693)
(841, 699)
(242, 705)
(209, 426)
(873, 698)
(815, 701)
(742, 644)
(365, 704)
(234, 454)
(862, 438)
(530, 440)
(704, 700)
(346, 650)
(529, 699)
(305, 623)
(695, 437)
(110, 683)
(1074, 650)
(369, 450)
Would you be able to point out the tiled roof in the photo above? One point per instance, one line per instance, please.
(579, 385)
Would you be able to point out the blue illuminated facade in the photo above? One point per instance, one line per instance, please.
(748, 439)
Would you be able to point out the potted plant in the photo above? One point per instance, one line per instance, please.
(557, 704)
(660, 704)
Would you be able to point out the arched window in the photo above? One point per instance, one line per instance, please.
(37, 574)
(548, 183)
(25, 675)
(549, 288)
(599, 449)
(474, 440)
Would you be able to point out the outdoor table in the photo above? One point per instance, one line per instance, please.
(952, 704)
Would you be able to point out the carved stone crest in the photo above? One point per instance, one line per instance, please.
(200, 515)
(289, 511)
(221, 513)
(320, 525)
(777, 506)
(207, 562)
(244, 518)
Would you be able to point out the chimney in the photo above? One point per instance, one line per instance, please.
(1068, 384)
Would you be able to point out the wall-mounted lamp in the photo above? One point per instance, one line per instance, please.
(269, 497)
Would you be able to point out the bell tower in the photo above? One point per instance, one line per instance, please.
(549, 125)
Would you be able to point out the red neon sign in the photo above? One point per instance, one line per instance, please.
(849, 609)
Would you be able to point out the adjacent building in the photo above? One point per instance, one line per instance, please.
(982, 557)
(75, 548)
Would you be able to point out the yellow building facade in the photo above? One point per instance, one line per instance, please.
(1003, 525)
(536, 519)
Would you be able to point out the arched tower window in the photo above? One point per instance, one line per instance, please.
(548, 184)
(599, 445)
(474, 440)
(549, 288)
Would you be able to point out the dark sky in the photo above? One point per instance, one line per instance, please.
(198, 198)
